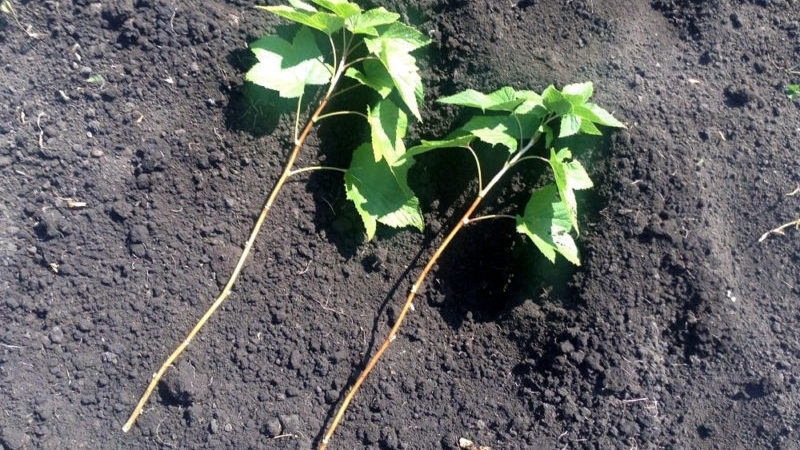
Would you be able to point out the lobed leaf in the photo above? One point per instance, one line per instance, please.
(570, 176)
(453, 142)
(388, 125)
(306, 15)
(546, 222)
(578, 93)
(531, 103)
(367, 22)
(598, 115)
(288, 68)
(494, 130)
(393, 48)
(503, 99)
(374, 76)
(381, 193)
(570, 125)
(341, 8)
(587, 127)
(555, 102)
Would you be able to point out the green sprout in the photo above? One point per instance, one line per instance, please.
(94, 79)
(792, 91)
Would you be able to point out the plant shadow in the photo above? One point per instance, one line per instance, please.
(490, 269)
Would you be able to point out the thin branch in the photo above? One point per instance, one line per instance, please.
(397, 324)
(242, 259)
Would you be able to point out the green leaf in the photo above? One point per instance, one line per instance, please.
(393, 49)
(588, 127)
(792, 91)
(326, 22)
(301, 5)
(388, 124)
(555, 102)
(452, 142)
(288, 68)
(365, 23)
(570, 125)
(494, 130)
(96, 78)
(341, 8)
(570, 176)
(381, 193)
(578, 93)
(405, 37)
(504, 99)
(577, 177)
(531, 103)
(598, 115)
(546, 222)
(374, 76)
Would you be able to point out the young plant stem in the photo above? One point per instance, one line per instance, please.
(393, 333)
(287, 172)
(465, 219)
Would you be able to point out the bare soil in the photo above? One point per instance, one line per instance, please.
(679, 331)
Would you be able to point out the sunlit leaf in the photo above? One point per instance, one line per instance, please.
(494, 130)
(569, 176)
(380, 193)
(546, 222)
(588, 127)
(341, 8)
(288, 68)
(598, 115)
(326, 22)
(366, 22)
(374, 75)
(504, 99)
(570, 125)
(453, 142)
(388, 124)
(578, 93)
(555, 102)
(393, 48)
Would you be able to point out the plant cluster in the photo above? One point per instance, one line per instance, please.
(372, 49)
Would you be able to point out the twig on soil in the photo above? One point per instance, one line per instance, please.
(39, 126)
(779, 230)
(7, 7)
(13, 347)
(794, 192)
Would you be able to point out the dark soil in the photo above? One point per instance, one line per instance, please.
(679, 331)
